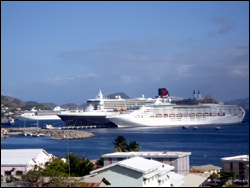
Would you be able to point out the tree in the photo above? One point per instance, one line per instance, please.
(133, 146)
(56, 168)
(100, 162)
(120, 144)
(79, 167)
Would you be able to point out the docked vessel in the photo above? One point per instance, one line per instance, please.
(34, 114)
(7, 121)
(100, 107)
(183, 113)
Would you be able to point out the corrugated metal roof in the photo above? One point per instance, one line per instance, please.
(148, 154)
(139, 164)
(18, 156)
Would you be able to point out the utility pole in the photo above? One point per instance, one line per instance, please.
(69, 162)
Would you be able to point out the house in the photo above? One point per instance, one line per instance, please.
(205, 169)
(180, 160)
(237, 164)
(139, 172)
(16, 162)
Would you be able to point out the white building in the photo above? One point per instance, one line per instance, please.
(16, 162)
(237, 164)
(139, 172)
(180, 160)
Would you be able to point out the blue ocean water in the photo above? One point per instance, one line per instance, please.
(206, 144)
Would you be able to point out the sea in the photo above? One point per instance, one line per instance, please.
(206, 144)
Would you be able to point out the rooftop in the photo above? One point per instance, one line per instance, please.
(149, 154)
(19, 156)
(236, 158)
(140, 164)
(192, 180)
(203, 168)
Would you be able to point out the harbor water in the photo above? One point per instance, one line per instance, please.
(206, 144)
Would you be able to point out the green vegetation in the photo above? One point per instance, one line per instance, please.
(214, 176)
(224, 177)
(57, 172)
(121, 145)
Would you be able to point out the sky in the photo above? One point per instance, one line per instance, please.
(65, 52)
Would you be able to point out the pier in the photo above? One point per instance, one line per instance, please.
(81, 127)
(56, 134)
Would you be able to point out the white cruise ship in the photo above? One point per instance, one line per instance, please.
(34, 114)
(164, 113)
(100, 107)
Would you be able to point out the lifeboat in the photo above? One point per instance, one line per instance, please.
(198, 114)
(221, 114)
(192, 114)
(171, 115)
(179, 115)
(158, 115)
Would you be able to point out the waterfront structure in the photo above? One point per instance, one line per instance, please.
(139, 172)
(205, 169)
(179, 160)
(16, 162)
(163, 112)
(237, 164)
(34, 114)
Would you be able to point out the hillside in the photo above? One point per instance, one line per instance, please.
(244, 103)
(14, 103)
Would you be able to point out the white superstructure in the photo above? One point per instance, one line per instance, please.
(34, 114)
(100, 107)
(164, 113)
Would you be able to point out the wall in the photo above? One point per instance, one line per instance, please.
(121, 177)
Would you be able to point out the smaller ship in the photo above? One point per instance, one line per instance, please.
(7, 121)
(34, 114)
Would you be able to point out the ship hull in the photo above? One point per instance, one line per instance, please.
(85, 120)
(172, 122)
(34, 118)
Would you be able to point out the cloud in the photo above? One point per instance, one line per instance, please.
(241, 72)
(125, 51)
(139, 44)
(131, 66)
(128, 79)
(225, 26)
(185, 71)
(64, 79)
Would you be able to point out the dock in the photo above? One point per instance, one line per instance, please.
(56, 134)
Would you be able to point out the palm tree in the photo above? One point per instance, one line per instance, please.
(120, 144)
(133, 146)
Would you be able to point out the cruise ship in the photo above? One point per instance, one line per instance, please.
(34, 114)
(100, 107)
(165, 113)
